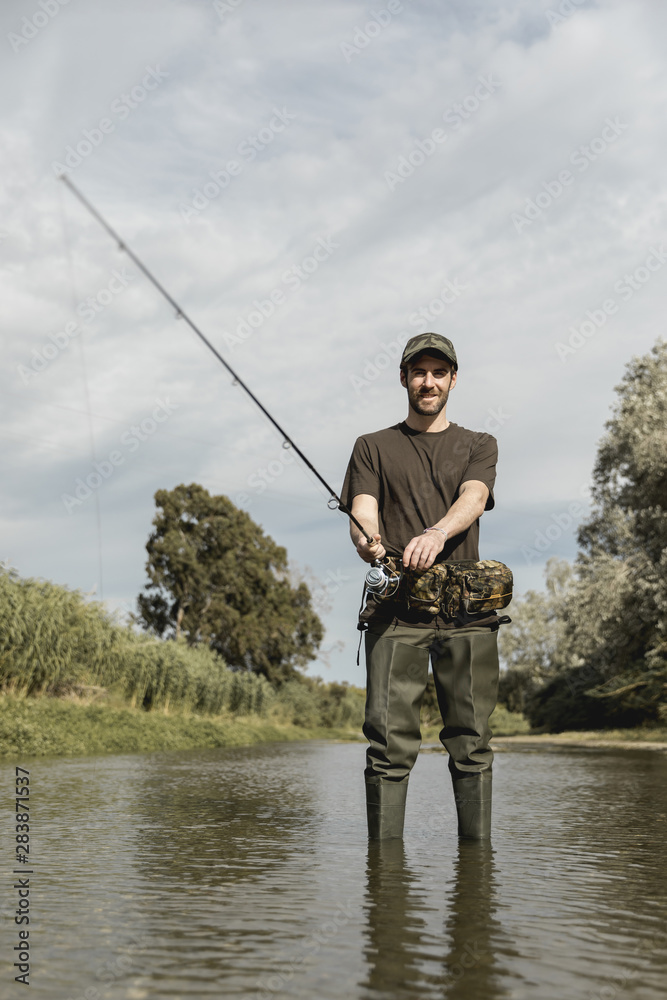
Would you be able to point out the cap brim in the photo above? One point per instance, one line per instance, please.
(433, 351)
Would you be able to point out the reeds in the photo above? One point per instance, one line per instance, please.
(53, 641)
(50, 637)
(160, 674)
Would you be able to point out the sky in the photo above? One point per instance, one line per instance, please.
(314, 183)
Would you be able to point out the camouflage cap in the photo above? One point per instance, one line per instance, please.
(429, 342)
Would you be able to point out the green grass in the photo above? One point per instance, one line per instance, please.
(58, 651)
(506, 723)
(56, 727)
(52, 639)
(503, 723)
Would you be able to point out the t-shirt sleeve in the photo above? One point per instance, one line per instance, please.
(362, 475)
(482, 465)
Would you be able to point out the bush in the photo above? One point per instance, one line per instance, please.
(164, 674)
(582, 698)
(310, 703)
(52, 640)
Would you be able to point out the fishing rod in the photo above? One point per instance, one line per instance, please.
(334, 501)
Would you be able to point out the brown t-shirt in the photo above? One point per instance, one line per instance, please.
(415, 476)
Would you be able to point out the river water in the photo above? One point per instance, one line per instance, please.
(247, 873)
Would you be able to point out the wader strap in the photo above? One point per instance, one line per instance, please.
(362, 626)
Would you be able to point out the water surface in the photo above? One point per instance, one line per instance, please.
(247, 873)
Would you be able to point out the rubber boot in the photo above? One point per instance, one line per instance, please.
(472, 795)
(385, 808)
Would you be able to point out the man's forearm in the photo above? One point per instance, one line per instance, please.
(370, 527)
(460, 515)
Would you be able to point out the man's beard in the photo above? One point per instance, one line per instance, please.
(428, 406)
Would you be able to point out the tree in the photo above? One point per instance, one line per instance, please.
(215, 577)
(534, 648)
(622, 603)
(615, 613)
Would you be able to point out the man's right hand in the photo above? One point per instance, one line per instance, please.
(371, 552)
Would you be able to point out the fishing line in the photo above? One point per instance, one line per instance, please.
(86, 392)
(334, 501)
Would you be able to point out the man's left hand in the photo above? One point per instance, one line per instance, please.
(420, 552)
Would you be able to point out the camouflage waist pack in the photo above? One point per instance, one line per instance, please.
(448, 587)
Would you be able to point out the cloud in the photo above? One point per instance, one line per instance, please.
(318, 174)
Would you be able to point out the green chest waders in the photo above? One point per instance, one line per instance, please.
(465, 671)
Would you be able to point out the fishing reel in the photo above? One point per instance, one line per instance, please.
(383, 578)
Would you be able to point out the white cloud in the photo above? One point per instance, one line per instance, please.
(321, 177)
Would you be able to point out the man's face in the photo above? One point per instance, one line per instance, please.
(428, 380)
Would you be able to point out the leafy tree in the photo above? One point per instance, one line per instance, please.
(533, 649)
(216, 578)
(615, 612)
(621, 603)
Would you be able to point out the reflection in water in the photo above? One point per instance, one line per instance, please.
(224, 838)
(220, 821)
(247, 873)
(473, 965)
(396, 922)
(403, 952)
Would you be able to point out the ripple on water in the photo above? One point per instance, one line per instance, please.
(247, 873)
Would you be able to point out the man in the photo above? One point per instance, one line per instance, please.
(419, 489)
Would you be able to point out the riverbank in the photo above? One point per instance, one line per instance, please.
(55, 727)
(623, 739)
(59, 727)
(99, 722)
(618, 739)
